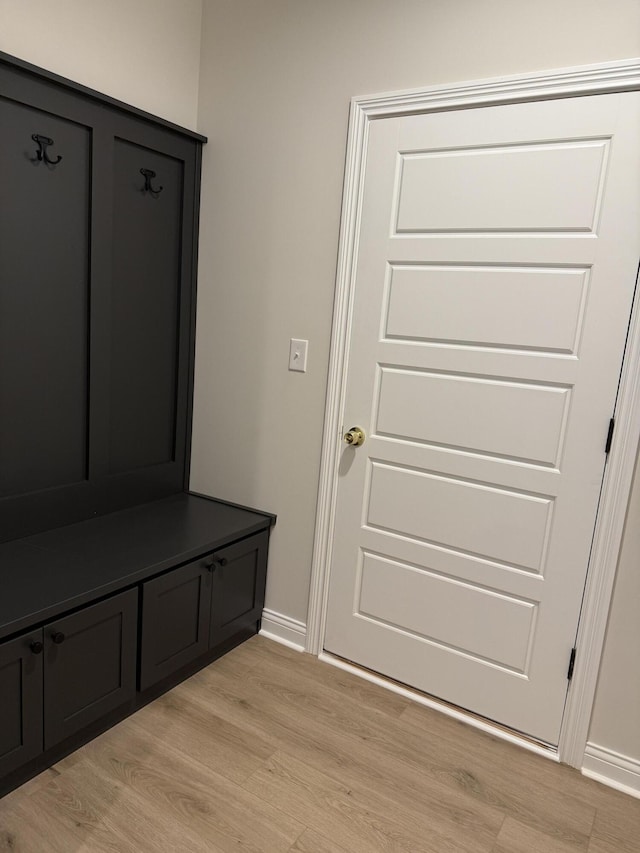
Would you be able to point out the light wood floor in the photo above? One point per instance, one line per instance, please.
(270, 750)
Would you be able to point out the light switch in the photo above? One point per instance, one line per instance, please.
(298, 355)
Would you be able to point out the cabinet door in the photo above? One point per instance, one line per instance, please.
(90, 665)
(175, 620)
(20, 701)
(239, 578)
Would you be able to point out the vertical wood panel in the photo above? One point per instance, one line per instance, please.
(144, 309)
(44, 267)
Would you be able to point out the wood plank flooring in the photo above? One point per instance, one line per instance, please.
(270, 751)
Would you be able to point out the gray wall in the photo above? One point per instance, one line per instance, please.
(275, 86)
(615, 724)
(143, 52)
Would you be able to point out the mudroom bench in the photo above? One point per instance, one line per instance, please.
(116, 582)
(99, 617)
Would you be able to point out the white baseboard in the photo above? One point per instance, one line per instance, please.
(611, 768)
(283, 629)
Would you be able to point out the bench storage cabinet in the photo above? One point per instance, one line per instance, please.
(57, 680)
(148, 596)
(116, 582)
(193, 609)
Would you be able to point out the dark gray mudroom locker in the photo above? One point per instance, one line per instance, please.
(115, 581)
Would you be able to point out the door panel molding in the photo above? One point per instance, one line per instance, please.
(562, 83)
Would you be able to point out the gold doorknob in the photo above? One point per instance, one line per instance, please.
(355, 436)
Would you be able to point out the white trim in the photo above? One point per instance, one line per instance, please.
(585, 80)
(609, 528)
(613, 769)
(448, 710)
(283, 629)
(349, 231)
(598, 79)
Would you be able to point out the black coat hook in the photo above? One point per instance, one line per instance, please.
(41, 153)
(148, 175)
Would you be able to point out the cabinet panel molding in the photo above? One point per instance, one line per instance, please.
(21, 701)
(90, 665)
(175, 620)
(238, 586)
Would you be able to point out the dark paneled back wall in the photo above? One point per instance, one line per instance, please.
(97, 225)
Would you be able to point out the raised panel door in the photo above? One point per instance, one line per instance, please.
(497, 259)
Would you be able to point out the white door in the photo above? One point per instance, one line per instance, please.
(496, 264)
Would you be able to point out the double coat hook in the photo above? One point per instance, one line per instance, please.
(148, 175)
(43, 143)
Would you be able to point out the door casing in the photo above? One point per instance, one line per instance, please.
(600, 79)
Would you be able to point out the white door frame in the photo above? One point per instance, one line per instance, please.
(564, 83)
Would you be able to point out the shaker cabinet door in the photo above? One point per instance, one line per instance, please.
(237, 596)
(89, 666)
(20, 701)
(175, 620)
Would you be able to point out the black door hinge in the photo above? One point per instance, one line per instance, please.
(607, 446)
(572, 663)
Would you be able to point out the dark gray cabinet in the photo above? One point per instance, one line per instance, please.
(20, 701)
(175, 620)
(89, 665)
(237, 594)
(59, 679)
(101, 543)
(196, 607)
(146, 595)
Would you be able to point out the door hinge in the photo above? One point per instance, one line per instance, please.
(607, 446)
(572, 663)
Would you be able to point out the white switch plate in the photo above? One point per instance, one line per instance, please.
(298, 355)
